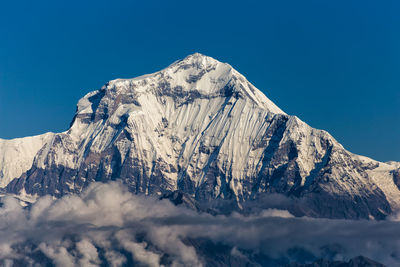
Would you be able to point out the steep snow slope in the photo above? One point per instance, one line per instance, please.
(200, 127)
(16, 155)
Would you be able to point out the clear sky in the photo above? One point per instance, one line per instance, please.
(334, 64)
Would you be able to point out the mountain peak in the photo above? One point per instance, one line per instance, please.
(190, 69)
(200, 60)
(195, 76)
(199, 127)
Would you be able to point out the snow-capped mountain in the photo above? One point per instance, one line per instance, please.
(201, 128)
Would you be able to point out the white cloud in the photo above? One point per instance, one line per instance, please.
(106, 223)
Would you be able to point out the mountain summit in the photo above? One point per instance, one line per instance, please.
(198, 127)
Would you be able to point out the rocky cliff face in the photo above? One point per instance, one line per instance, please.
(201, 128)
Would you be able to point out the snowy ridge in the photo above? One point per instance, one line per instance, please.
(16, 155)
(199, 127)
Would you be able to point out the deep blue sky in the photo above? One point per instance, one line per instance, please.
(334, 64)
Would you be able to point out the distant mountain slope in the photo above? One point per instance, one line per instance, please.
(200, 127)
(16, 156)
(359, 261)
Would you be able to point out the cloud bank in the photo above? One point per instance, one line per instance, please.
(107, 225)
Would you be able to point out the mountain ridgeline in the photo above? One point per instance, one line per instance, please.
(199, 130)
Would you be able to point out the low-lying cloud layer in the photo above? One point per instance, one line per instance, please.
(106, 224)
